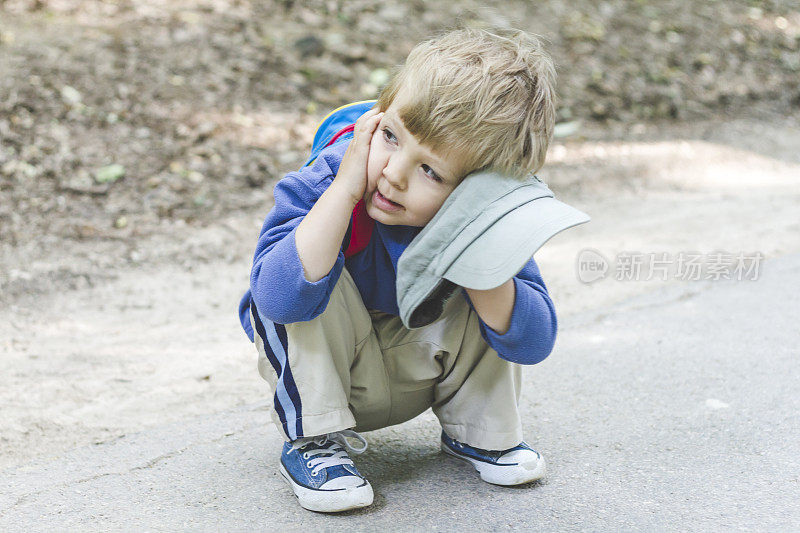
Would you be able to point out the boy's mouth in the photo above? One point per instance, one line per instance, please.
(392, 201)
(384, 203)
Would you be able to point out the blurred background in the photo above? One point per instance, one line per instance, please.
(199, 105)
(140, 141)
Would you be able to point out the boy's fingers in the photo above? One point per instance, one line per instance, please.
(364, 130)
(368, 115)
(362, 136)
(371, 121)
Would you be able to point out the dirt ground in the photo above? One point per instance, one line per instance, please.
(118, 284)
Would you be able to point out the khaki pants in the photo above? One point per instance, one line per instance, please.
(356, 368)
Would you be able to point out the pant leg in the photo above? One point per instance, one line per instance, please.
(477, 399)
(327, 373)
(354, 368)
(449, 366)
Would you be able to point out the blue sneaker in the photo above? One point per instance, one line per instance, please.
(322, 475)
(517, 465)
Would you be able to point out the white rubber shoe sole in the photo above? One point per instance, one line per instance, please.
(329, 501)
(506, 475)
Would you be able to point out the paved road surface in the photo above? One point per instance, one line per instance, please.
(676, 410)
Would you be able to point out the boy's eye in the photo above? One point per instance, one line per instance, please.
(431, 173)
(388, 135)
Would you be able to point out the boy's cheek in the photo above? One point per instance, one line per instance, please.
(370, 179)
(372, 175)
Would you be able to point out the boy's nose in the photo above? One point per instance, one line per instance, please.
(395, 173)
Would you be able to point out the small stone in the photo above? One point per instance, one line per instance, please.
(80, 181)
(599, 110)
(673, 37)
(310, 45)
(71, 95)
(335, 40)
(703, 58)
(121, 222)
(715, 404)
(194, 176)
(26, 169)
(379, 77)
(9, 167)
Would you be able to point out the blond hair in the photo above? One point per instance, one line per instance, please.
(489, 97)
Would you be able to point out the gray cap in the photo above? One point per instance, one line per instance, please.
(486, 231)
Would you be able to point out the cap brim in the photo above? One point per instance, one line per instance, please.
(502, 250)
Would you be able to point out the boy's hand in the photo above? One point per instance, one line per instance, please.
(352, 175)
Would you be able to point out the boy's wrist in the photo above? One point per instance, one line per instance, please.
(343, 194)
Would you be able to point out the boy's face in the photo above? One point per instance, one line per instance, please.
(408, 173)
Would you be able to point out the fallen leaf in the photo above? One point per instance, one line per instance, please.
(109, 173)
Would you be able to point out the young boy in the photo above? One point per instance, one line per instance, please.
(326, 327)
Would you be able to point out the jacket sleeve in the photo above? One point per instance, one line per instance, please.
(532, 333)
(279, 288)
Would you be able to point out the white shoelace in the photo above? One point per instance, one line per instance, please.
(338, 451)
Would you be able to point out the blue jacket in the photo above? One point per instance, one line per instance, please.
(283, 295)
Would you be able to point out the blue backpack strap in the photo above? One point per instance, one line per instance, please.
(332, 124)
